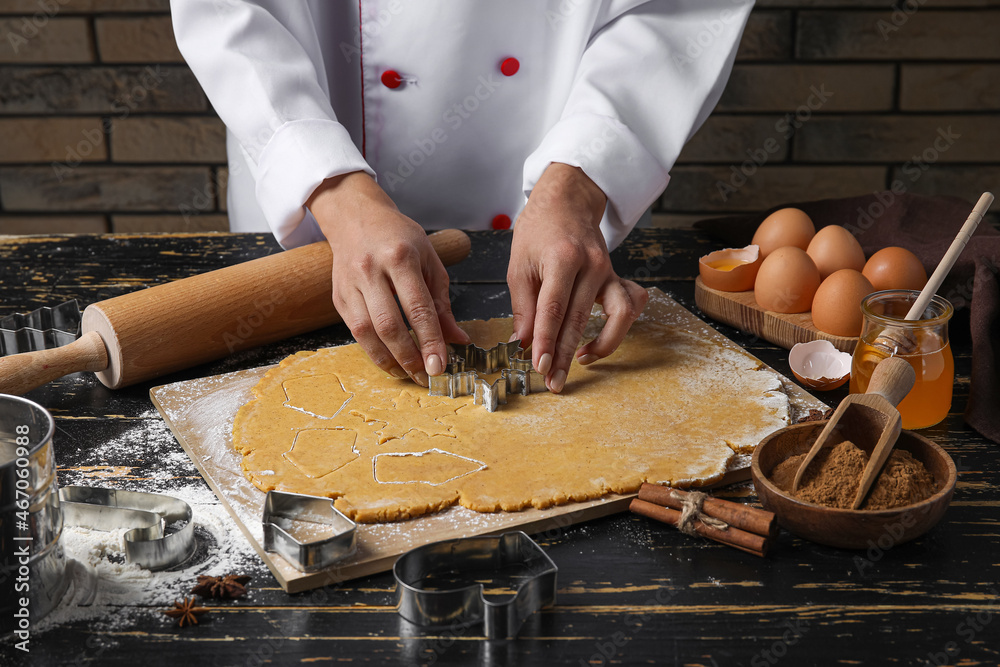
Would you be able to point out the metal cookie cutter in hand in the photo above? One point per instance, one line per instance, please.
(148, 514)
(467, 362)
(281, 509)
(423, 605)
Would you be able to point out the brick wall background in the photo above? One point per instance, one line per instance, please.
(103, 128)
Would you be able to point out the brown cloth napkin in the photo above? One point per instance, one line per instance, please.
(926, 226)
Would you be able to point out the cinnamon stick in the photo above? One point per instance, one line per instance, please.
(737, 515)
(734, 537)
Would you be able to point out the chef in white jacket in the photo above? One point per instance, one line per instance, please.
(359, 121)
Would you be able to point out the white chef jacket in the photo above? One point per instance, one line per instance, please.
(455, 106)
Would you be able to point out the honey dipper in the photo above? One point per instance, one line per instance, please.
(897, 341)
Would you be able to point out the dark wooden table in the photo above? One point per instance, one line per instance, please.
(630, 591)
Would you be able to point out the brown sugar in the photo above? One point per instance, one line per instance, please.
(832, 478)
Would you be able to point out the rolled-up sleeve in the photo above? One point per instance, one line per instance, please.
(259, 63)
(648, 78)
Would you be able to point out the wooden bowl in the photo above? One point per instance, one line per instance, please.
(851, 529)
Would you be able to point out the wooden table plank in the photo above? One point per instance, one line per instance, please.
(630, 591)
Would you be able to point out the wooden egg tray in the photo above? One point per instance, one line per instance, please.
(740, 310)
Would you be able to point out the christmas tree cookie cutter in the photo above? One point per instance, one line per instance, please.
(42, 329)
(461, 376)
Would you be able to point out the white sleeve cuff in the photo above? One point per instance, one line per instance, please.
(300, 155)
(613, 157)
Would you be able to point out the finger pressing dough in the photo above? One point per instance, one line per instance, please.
(668, 407)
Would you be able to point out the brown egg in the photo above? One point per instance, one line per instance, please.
(786, 281)
(786, 226)
(836, 308)
(895, 268)
(834, 248)
(730, 270)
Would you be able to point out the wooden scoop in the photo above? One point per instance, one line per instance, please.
(869, 419)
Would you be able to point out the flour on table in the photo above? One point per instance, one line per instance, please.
(105, 590)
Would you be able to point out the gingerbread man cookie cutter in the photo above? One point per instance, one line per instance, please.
(461, 376)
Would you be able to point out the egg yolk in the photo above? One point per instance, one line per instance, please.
(726, 264)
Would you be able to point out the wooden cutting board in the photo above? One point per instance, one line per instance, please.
(740, 310)
(200, 414)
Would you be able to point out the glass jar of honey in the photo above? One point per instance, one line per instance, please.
(923, 343)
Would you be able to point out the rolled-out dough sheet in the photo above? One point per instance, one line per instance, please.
(667, 407)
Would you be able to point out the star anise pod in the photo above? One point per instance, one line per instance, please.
(227, 587)
(186, 612)
(816, 415)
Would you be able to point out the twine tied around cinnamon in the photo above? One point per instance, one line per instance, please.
(734, 524)
(692, 504)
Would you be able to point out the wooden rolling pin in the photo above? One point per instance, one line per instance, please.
(170, 327)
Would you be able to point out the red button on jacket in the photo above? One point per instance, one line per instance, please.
(501, 222)
(391, 79)
(510, 66)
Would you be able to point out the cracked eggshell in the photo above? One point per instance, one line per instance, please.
(731, 269)
(819, 365)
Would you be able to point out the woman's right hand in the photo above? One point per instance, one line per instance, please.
(380, 254)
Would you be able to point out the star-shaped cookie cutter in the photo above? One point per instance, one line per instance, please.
(467, 362)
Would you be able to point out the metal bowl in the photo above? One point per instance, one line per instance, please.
(851, 529)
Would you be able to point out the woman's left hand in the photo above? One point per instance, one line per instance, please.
(559, 267)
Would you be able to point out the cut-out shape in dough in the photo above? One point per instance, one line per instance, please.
(432, 466)
(423, 413)
(321, 396)
(662, 408)
(319, 451)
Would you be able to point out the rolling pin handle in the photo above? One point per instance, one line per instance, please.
(451, 245)
(20, 373)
